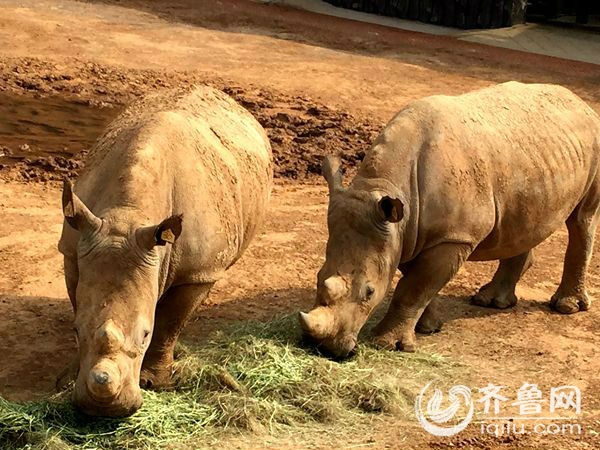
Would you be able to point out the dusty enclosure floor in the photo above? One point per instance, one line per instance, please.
(319, 85)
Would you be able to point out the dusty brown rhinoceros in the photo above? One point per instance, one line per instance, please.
(482, 176)
(171, 196)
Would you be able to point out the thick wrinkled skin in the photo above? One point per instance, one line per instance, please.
(134, 268)
(487, 175)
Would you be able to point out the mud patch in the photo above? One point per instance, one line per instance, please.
(49, 126)
(302, 131)
(45, 137)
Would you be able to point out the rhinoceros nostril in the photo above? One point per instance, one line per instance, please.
(101, 378)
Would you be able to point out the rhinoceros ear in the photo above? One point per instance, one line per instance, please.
(169, 230)
(331, 168)
(165, 232)
(391, 209)
(76, 213)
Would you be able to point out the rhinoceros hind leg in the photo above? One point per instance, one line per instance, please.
(430, 322)
(173, 311)
(427, 274)
(500, 292)
(571, 295)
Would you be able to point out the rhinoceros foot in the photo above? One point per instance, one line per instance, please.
(429, 324)
(493, 295)
(156, 378)
(389, 341)
(570, 304)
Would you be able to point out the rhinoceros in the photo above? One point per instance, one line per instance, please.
(487, 175)
(171, 196)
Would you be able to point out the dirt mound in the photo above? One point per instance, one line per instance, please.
(301, 130)
(44, 168)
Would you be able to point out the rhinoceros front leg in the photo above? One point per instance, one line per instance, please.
(427, 274)
(571, 295)
(69, 373)
(429, 322)
(173, 312)
(500, 292)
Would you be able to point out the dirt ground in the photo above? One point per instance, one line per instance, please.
(318, 85)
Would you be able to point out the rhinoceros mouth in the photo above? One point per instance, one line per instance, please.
(338, 350)
(119, 405)
(101, 410)
(102, 400)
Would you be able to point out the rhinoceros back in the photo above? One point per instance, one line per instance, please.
(192, 151)
(503, 166)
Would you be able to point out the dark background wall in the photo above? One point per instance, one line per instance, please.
(454, 13)
(552, 9)
(473, 13)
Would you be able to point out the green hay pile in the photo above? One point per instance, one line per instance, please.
(255, 377)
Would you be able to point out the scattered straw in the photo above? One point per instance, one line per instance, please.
(255, 377)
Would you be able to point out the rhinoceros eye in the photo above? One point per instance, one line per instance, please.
(369, 291)
(76, 335)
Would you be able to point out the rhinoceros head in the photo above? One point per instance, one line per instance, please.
(360, 262)
(116, 295)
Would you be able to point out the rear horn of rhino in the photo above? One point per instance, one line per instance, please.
(334, 287)
(318, 323)
(109, 337)
(76, 213)
(331, 168)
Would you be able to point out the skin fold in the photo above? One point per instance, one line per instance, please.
(483, 176)
(171, 196)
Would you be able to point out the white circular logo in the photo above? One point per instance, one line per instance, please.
(457, 396)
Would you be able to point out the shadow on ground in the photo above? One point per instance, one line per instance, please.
(47, 322)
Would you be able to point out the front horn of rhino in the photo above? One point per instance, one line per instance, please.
(104, 379)
(318, 323)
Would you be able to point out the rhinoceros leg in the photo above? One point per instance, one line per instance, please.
(427, 274)
(71, 278)
(500, 292)
(429, 322)
(173, 312)
(571, 295)
(69, 374)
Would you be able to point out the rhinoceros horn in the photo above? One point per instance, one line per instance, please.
(104, 380)
(318, 323)
(109, 337)
(334, 287)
